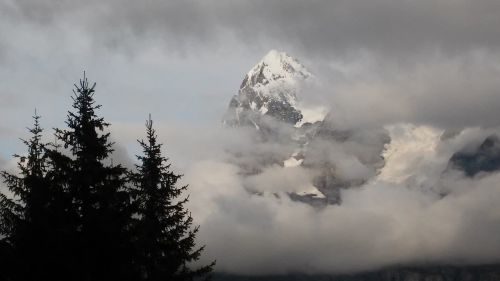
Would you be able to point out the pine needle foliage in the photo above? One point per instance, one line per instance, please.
(165, 235)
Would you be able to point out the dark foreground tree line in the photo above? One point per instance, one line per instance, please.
(72, 214)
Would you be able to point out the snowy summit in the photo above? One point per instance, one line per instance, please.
(269, 89)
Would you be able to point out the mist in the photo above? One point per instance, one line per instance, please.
(398, 217)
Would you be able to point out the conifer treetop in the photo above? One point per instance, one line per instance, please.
(85, 135)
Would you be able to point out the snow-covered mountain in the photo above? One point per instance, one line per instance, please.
(271, 89)
(270, 102)
(287, 155)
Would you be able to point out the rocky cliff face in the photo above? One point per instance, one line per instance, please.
(484, 158)
(269, 90)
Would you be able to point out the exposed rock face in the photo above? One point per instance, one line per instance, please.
(485, 158)
(269, 89)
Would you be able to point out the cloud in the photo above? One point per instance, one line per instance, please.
(377, 225)
(381, 223)
(438, 90)
(249, 224)
(388, 27)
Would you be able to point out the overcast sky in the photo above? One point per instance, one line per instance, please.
(182, 60)
(433, 63)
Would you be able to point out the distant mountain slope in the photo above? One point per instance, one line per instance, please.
(431, 273)
(485, 158)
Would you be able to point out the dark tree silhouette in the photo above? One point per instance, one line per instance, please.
(71, 214)
(165, 236)
(99, 215)
(25, 212)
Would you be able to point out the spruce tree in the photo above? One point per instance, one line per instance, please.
(70, 214)
(165, 238)
(100, 211)
(25, 212)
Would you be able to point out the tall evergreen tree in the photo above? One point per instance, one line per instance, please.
(70, 214)
(25, 212)
(100, 210)
(165, 237)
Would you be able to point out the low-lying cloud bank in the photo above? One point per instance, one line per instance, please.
(416, 210)
(413, 211)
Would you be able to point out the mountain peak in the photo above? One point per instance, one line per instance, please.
(279, 65)
(270, 88)
(277, 58)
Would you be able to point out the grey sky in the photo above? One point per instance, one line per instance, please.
(388, 27)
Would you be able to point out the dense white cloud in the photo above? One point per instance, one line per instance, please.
(384, 222)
